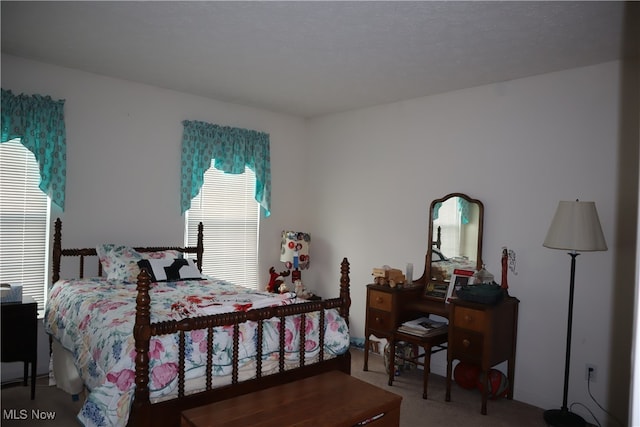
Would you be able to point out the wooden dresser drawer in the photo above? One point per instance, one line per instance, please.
(469, 318)
(380, 320)
(380, 300)
(467, 345)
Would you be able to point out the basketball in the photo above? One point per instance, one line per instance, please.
(498, 384)
(466, 375)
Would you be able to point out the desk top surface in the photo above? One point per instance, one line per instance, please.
(26, 299)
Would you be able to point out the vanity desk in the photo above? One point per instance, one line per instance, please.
(481, 334)
(454, 242)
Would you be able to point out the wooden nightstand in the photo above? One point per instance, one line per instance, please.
(484, 335)
(20, 336)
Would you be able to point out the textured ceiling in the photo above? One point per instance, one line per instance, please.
(314, 58)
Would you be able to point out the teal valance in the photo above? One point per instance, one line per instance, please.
(463, 208)
(231, 150)
(39, 123)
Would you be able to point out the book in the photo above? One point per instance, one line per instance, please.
(418, 332)
(413, 331)
(421, 326)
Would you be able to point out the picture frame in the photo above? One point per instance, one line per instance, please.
(437, 290)
(459, 278)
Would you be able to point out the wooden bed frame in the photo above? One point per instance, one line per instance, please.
(144, 413)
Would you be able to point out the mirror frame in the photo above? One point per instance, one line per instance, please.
(426, 275)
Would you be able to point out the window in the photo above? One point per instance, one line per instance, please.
(24, 222)
(449, 220)
(231, 217)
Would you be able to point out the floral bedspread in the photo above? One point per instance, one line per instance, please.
(94, 319)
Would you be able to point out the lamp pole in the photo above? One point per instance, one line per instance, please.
(563, 417)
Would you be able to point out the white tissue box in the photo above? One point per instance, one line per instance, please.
(10, 293)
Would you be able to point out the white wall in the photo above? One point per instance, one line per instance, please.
(361, 182)
(123, 156)
(518, 146)
(123, 160)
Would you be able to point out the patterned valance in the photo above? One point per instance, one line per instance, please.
(463, 208)
(231, 150)
(39, 123)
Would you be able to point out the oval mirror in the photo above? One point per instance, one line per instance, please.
(455, 237)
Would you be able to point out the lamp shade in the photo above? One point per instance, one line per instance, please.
(576, 227)
(295, 249)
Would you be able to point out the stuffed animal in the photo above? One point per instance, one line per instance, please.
(276, 279)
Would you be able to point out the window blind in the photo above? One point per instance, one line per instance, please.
(24, 222)
(449, 219)
(231, 218)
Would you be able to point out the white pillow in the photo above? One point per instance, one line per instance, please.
(120, 262)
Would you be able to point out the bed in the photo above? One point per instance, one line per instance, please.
(442, 267)
(149, 347)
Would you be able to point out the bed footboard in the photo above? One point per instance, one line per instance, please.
(167, 413)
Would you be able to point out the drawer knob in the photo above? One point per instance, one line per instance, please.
(379, 300)
(378, 320)
(467, 318)
(466, 343)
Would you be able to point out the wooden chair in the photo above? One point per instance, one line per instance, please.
(434, 342)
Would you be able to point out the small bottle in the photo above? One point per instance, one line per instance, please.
(299, 288)
(409, 274)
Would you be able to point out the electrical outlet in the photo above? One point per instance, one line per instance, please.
(590, 372)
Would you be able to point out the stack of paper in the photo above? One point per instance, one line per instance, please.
(421, 327)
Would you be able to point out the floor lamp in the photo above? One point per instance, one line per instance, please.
(575, 227)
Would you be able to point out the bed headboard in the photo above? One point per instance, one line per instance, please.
(59, 252)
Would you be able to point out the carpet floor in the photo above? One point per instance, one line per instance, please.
(462, 410)
(54, 408)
